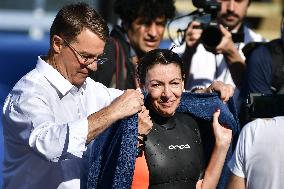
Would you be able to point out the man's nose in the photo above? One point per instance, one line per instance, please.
(231, 5)
(93, 66)
(153, 30)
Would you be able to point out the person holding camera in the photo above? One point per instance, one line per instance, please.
(225, 61)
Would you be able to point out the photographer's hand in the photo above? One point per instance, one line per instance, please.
(233, 58)
(193, 34)
(226, 46)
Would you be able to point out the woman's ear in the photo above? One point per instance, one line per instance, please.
(57, 44)
(140, 85)
(144, 90)
(182, 85)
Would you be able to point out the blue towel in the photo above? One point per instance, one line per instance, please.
(114, 151)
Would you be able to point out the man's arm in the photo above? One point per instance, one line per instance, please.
(236, 182)
(129, 103)
(236, 63)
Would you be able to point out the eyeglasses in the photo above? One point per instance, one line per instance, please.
(87, 60)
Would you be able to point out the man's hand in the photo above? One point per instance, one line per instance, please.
(193, 34)
(227, 44)
(129, 103)
(145, 123)
(235, 61)
(228, 48)
(225, 90)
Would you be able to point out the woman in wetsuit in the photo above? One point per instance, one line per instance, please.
(173, 148)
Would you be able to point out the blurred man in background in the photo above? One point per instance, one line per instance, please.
(141, 30)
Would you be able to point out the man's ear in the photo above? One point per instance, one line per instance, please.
(57, 43)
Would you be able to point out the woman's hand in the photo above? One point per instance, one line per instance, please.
(145, 123)
(222, 133)
(223, 137)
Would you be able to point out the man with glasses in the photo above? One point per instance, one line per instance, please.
(56, 110)
(100, 59)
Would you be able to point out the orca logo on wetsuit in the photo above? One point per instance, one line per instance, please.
(181, 147)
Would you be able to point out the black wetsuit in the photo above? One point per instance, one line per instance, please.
(174, 152)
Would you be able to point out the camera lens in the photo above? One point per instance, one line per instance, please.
(211, 37)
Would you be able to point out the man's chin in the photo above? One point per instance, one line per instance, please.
(149, 48)
(231, 24)
(79, 83)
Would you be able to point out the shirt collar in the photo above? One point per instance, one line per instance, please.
(132, 51)
(54, 77)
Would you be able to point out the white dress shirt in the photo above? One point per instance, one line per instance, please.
(45, 128)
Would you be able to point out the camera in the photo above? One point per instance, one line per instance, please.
(207, 11)
(206, 14)
(259, 105)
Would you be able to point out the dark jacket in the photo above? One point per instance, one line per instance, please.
(118, 71)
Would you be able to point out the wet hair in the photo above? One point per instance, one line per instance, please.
(130, 10)
(73, 18)
(157, 56)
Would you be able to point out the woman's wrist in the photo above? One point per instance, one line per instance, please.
(220, 144)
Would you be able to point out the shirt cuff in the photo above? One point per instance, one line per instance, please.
(78, 131)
